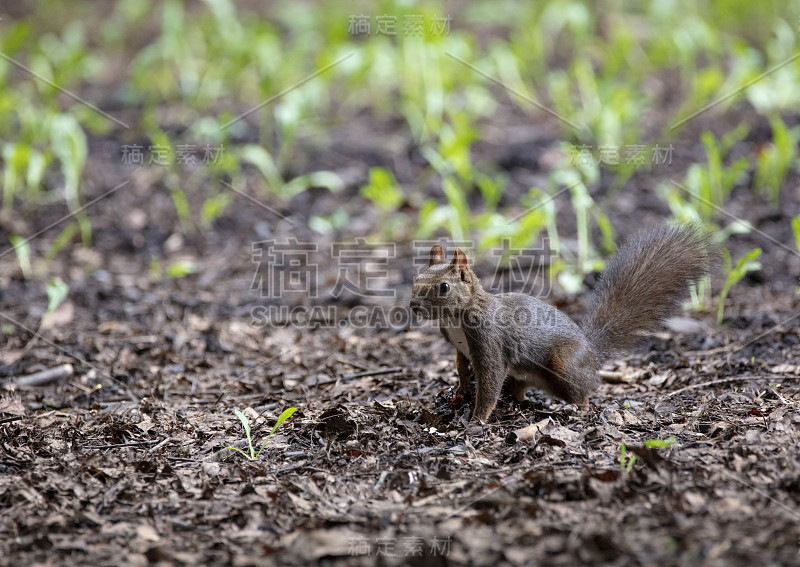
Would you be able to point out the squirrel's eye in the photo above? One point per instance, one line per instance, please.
(444, 287)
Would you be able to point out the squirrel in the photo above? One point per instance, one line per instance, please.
(536, 344)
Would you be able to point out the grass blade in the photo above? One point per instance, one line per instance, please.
(287, 413)
(246, 424)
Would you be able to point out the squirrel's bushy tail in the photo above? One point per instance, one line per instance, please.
(644, 283)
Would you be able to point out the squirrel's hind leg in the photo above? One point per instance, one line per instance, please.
(571, 374)
(518, 389)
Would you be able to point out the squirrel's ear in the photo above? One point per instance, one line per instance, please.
(437, 256)
(460, 263)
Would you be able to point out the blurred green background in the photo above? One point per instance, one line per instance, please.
(453, 128)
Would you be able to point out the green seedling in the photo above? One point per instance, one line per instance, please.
(23, 252)
(697, 293)
(184, 212)
(287, 117)
(70, 146)
(180, 269)
(263, 161)
(328, 224)
(709, 185)
(626, 460)
(155, 269)
(659, 443)
(455, 216)
(774, 161)
(746, 263)
(23, 166)
(61, 240)
(383, 190)
(796, 230)
(387, 196)
(327, 179)
(287, 413)
(57, 292)
(213, 207)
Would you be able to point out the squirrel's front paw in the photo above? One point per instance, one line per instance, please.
(460, 396)
(465, 390)
(479, 417)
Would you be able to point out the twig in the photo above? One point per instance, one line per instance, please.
(381, 479)
(157, 447)
(348, 377)
(119, 445)
(723, 381)
(10, 419)
(616, 376)
(351, 363)
(610, 375)
(46, 376)
(527, 432)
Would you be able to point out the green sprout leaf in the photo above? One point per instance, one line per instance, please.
(180, 269)
(182, 207)
(263, 161)
(382, 190)
(746, 263)
(245, 422)
(287, 413)
(23, 252)
(61, 240)
(796, 230)
(626, 461)
(57, 292)
(213, 207)
(659, 443)
(246, 425)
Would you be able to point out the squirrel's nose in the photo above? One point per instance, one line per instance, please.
(417, 306)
